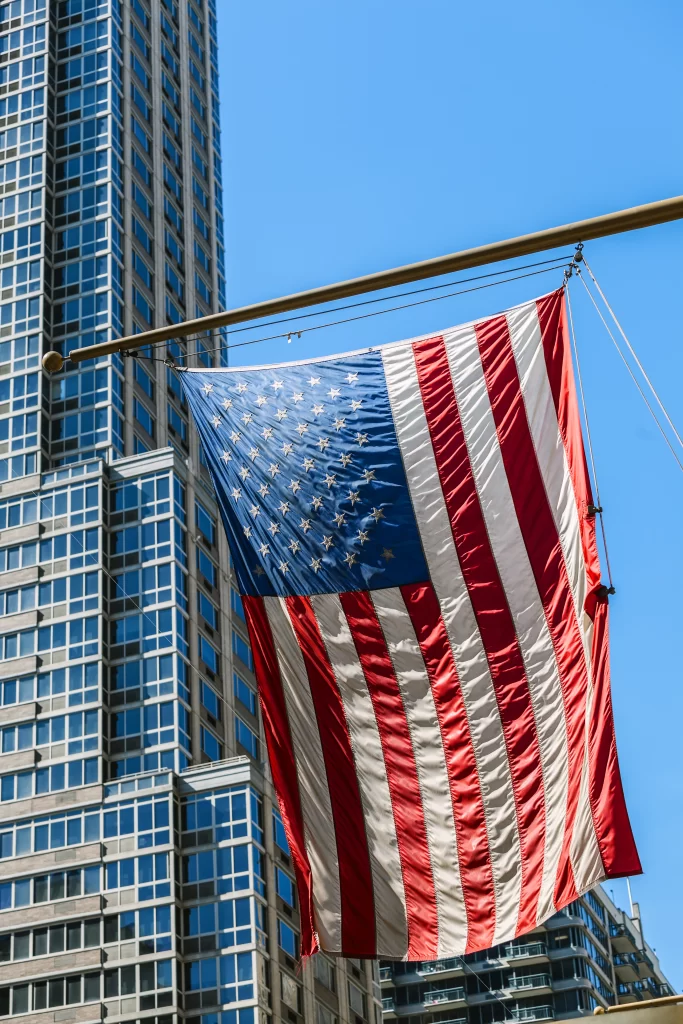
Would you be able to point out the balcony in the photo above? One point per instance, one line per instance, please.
(514, 951)
(388, 1004)
(440, 966)
(632, 966)
(529, 981)
(385, 974)
(444, 995)
(624, 940)
(532, 1012)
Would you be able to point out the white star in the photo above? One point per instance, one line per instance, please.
(353, 497)
(313, 381)
(294, 486)
(340, 518)
(351, 378)
(334, 393)
(323, 443)
(288, 448)
(305, 525)
(244, 472)
(317, 503)
(235, 436)
(369, 475)
(236, 493)
(207, 388)
(259, 571)
(283, 567)
(281, 414)
(254, 454)
(264, 550)
(318, 410)
(361, 439)
(263, 490)
(267, 433)
(247, 418)
(363, 536)
(247, 531)
(216, 421)
(227, 404)
(339, 423)
(350, 558)
(345, 459)
(356, 404)
(255, 511)
(226, 457)
(301, 429)
(316, 563)
(261, 400)
(273, 469)
(330, 479)
(284, 507)
(277, 385)
(274, 528)
(241, 388)
(377, 514)
(308, 464)
(327, 543)
(294, 546)
(298, 396)
(387, 554)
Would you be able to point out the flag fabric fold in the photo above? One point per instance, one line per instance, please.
(412, 534)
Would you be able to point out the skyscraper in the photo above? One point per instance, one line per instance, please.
(144, 869)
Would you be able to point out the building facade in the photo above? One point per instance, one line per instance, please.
(590, 955)
(144, 873)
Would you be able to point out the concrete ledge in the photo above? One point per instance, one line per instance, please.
(48, 913)
(18, 760)
(73, 1014)
(61, 963)
(20, 666)
(64, 800)
(19, 577)
(18, 713)
(47, 860)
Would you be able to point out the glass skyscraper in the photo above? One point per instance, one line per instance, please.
(144, 870)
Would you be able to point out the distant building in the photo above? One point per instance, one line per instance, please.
(592, 954)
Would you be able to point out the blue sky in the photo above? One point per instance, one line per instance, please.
(364, 135)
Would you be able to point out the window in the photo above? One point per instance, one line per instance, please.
(284, 887)
(287, 939)
(211, 745)
(173, 184)
(207, 568)
(173, 216)
(244, 693)
(142, 201)
(142, 270)
(280, 836)
(143, 417)
(246, 738)
(211, 700)
(325, 972)
(140, 134)
(177, 424)
(243, 651)
(205, 523)
(141, 235)
(173, 247)
(207, 610)
(201, 257)
(141, 167)
(208, 654)
(356, 1000)
(143, 379)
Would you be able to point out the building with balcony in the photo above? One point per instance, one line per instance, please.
(144, 872)
(591, 954)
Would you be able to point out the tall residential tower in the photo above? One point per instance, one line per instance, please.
(144, 871)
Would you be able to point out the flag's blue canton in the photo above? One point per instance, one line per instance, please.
(309, 477)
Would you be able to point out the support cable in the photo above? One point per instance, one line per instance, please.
(633, 354)
(597, 508)
(631, 373)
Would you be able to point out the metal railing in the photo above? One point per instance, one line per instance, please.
(438, 966)
(532, 1012)
(443, 995)
(387, 1003)
(529, 949)
(529, 981)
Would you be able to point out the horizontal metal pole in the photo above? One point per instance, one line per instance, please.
(524, 245)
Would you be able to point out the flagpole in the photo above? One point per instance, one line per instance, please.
(643, 216)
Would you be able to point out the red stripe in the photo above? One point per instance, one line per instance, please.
(542, 542)
(613, 829)
(282, 760)
(355, 874)
(490, 606)
(401, 769)
(468, 806)
(553, 320)
(610, 817)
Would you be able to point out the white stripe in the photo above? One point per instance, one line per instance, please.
(387, 878)
(519, 584)
(458, 616)
(527, 344)
(425, 733)
(316, 807)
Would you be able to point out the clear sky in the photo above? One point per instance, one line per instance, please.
(359, 136)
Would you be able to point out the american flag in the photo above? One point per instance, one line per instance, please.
(413, 534)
